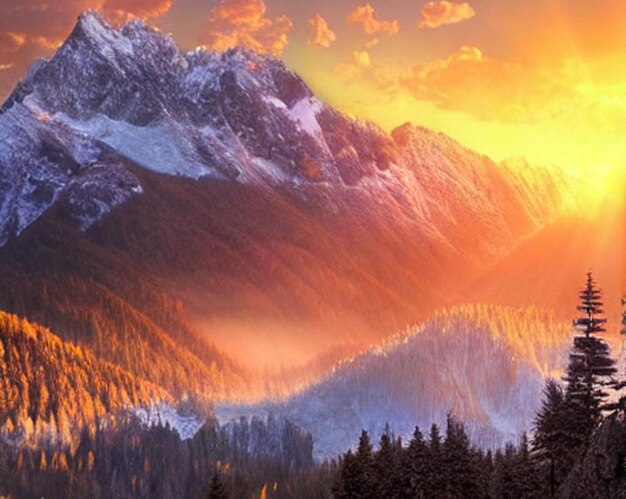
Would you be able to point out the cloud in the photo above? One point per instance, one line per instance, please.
(465, 80)
(514, 91)
(439, 12)
(244, 23)
(11, 41)
(321, 34)
(361, 57)
(372, 43)
(365, 16)
(355, 67)
(120, 10)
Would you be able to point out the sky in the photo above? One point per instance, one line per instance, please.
(543, 79)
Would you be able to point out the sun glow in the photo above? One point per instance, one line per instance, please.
(551, 90)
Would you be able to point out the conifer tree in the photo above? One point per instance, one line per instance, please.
(415, 465)
(435, 479)
(462, 479)
(591, 367)
(567, 419)
(525, 478)
(386, 468)
(217, 490)
(501, 485)
(551, 443)
(355, 479)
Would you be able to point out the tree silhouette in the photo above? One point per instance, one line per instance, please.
(591, 367)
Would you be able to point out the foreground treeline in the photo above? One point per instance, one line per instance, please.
(578, 448)
(127, 459)
(446, 467)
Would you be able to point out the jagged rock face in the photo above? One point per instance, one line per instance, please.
(42, 163)
(245, 117)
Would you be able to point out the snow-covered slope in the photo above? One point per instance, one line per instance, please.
(486, 364)
(187, 425)
(42, 162)
(244, 117)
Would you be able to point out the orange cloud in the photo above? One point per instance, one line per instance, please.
(365, 16)
(244, 23)
(358, 66)
(121, 10)
(361, 57)
(439, 12)
(11, 41)
(321, 34)
(467, 80)
(512, 91)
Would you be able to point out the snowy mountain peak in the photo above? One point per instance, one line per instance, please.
(245, 117)
(93, 28)
(91, 23)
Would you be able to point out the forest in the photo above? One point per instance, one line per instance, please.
(576, 447)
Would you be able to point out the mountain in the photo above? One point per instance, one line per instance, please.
(162, 199)
(548, 269)
(49, 388)
(485, 363)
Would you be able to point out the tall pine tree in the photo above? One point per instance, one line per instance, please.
(355, 479)
(552, 446)
(415, 467)
(386, 467)
(567, 419)
(461, 473)
(591, 367)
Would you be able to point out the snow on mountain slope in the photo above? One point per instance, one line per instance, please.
(246, 117)
(187, 425)
(42, 162)
(486, 364)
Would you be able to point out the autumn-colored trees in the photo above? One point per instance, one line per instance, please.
(48, 387)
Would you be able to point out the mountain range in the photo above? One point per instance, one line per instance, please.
(189, 216)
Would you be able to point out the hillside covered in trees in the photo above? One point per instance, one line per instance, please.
(49, 388)
(575, 446)
(486, 363)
